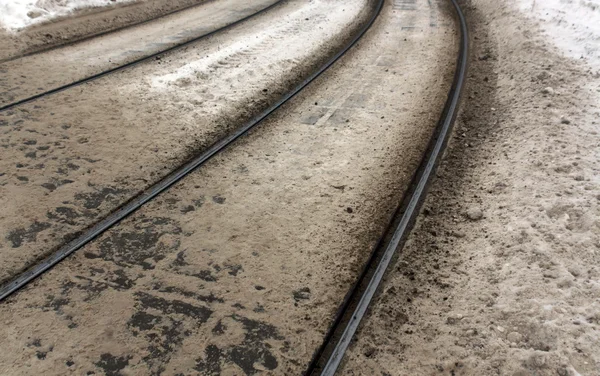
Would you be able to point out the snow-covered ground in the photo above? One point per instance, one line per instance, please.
(501, 274)
(572, 25)
(17, 14)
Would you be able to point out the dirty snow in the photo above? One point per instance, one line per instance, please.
(515, 291)
(572, 25)
(317, 11)
(17, 14)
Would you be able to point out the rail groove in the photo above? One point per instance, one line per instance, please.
(329, 356)
(136, 61)
(93, 232)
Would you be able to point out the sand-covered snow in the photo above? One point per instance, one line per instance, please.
(501, 275)
(17, 14)
(572, 25)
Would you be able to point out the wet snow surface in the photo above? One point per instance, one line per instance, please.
(572, 25)
(17, 14)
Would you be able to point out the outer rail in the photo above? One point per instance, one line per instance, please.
(397, 235)
(134, 62)
(87, 236)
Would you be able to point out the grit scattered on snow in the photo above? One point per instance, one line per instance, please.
(17, 14)
(501, 275)
(572, 25)
(299, 43)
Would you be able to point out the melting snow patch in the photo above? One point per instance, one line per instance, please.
(572, 25)
(17, 14)
(298, 44)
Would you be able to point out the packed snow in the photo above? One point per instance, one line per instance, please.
(17, 14)
(572, 25)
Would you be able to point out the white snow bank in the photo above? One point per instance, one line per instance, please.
(572, 25)
(17, 14)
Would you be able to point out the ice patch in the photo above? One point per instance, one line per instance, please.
(572, 25)
(17, 14)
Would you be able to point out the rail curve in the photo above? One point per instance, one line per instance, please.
(165, 183)
(327, 359)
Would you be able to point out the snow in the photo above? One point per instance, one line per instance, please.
(296, 47)
(572, 25)
(17, 14)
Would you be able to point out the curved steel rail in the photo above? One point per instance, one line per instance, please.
(102, 33)
(24, 278)
(397, 234)
(136, 61)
